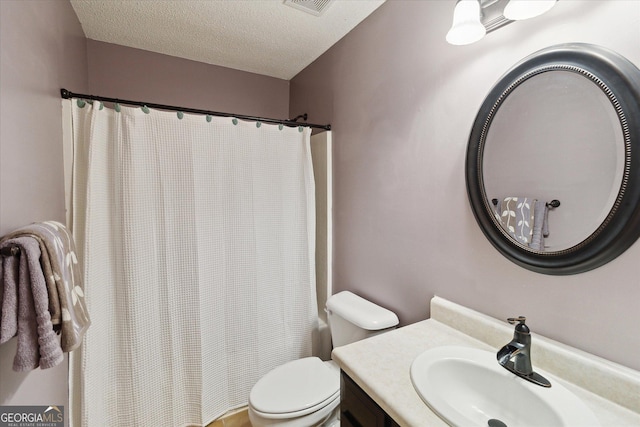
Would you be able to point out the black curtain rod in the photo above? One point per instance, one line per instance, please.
(291, 123)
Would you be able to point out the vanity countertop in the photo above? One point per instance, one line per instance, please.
(380, 366)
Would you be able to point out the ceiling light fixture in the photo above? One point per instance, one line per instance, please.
(472, 19)
(466, 27)
(517, 10)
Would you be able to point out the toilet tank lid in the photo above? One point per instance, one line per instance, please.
(361, 312)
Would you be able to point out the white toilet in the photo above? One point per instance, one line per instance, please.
(306, 392)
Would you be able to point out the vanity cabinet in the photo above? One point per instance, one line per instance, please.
(357, 409)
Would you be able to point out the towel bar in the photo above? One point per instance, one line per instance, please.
(552, 204)
(10, 251)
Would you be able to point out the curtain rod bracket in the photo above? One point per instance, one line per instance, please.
(10, 251)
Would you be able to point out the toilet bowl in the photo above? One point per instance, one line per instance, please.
(306, 392)
(301, 393)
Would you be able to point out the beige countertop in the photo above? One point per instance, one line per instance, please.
(380, 366)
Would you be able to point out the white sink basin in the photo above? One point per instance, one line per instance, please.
(467, 387)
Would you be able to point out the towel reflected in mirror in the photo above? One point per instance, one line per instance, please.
(524, 219)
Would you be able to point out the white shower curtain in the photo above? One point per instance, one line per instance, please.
(197, 235)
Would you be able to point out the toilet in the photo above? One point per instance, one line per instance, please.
(306, 392)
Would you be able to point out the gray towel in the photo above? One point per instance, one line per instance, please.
(516, 216)
(545, 225)
(9, 315)
(63, 278)
(1, 291)
(38, 344)
(539, 223)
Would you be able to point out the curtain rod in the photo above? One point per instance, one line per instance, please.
(291, 123)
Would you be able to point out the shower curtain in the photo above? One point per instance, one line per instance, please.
(197, 235)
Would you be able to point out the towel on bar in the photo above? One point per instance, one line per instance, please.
(525, 219)
(1, 292)
(38, 344)
(545, 223)
(9, 314)
(517, 215)
(64, 280)
(539, 225)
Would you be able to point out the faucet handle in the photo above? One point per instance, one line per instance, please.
(520, 327)
(513, 320)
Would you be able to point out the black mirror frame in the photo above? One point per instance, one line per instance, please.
(620, 81)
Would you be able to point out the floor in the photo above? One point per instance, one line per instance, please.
(238, 418)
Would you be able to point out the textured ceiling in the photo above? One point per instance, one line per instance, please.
(260, 36)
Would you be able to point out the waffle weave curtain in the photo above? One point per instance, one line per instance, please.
(197, 235)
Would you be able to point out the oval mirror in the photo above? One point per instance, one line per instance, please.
(552, 162)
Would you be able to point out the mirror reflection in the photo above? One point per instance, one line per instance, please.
(562, 124)
(556, 136)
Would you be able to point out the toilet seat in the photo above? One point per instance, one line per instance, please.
(295, 389)
(328, 404)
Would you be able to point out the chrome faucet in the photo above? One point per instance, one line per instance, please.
(516, 356)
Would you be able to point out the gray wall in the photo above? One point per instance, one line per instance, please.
(123, 72)
(401, 102)
(42, 48)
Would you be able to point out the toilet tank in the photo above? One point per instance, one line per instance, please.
(353, 318)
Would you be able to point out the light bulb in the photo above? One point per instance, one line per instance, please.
(466, 27)
(517, 10)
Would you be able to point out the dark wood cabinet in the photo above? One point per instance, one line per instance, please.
(357, 409)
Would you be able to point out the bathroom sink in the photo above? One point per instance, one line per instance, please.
(467, 387)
